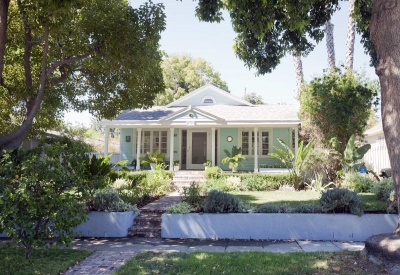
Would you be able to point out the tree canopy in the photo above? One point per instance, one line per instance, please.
(254, 98)
(336, 106)
(183, 74)
(96, 55)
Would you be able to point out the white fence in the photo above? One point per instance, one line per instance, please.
(378, 156)
(114, 158)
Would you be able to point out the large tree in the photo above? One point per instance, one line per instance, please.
(267, 30)
(183, 74)
(99, 55)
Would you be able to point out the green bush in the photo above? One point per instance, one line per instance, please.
(108, 200)
(213, 172)
(286, 208)
(383, 188)
(357, 182)
(340, 200)
(192, 194)
(221, 202)
(179, 208)
(43, 193)
(226, 184)
(136, 187)
(265, 182)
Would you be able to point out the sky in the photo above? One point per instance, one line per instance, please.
(185, 34)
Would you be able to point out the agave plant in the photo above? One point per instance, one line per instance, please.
(293, 162)
(233, 158)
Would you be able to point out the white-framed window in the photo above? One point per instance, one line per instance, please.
(153, 140)
(247, 142)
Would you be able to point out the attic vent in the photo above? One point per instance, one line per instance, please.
(208, 100)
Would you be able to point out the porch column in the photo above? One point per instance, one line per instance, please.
(106, 134)
(171, 149)
(296, 139)
(255, 150)
(138, 143)
(213, 146)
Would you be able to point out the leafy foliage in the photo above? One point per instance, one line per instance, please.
(383, 188)
(42, 194)
(356, 182)
(336, 106)
(341, 201)
(220, 202)
(213, 172)
(233, 158)
(352, 154)
(108, 200)
(156, 158)
(253, 98)
(179, 208)
(62, 55)
(183, 74)
(294, 163)
(192, 194)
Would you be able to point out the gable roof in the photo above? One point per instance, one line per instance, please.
(207, 90)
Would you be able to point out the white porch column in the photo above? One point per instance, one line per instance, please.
(296, 139)
(106, 134)
(171, 149)
(138, 143)
(255, 150)
(213, 146)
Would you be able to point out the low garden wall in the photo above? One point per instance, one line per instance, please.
(326, 227)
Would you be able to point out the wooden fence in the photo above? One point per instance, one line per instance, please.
(378, 156)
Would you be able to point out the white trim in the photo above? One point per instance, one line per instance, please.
(214, 88)
(106, 135)
(171, 148)
(259, 141)
(201, 124)
(189, 132)
(193, 109)
(138, 146)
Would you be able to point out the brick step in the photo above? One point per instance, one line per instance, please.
(145, 231)
(148, 220)
(150, 211)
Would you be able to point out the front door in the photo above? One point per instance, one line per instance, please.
(197, 151)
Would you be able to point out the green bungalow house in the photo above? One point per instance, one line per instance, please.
(199, 126)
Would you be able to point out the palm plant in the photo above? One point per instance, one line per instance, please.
(152, 159)
(351, 33)
(293, 161)
(233, 158)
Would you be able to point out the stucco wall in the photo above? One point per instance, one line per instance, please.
(126, 148)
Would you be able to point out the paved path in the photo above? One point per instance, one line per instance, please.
(113, 253)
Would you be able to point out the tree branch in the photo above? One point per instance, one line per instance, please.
(28, 46)
(66, 61)
(4, 4)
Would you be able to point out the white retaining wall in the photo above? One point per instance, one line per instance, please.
(329, 227)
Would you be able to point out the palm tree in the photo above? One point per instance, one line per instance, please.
(330, 45)
(351, 32)
(298, 68)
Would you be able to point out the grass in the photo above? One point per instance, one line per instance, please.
(249, 263)
(293, 198)
(42, 261)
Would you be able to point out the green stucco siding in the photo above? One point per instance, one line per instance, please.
(126, 147)
(282, 133)
(224, 144)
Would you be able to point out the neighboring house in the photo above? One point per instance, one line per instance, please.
(378, 155)
(199, 126)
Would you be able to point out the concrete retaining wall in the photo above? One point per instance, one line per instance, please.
(329, 227)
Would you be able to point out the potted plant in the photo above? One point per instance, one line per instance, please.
(176, 165)
(207, 164)
(233, 158)
(152, 159)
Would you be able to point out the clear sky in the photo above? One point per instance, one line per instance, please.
(185, 34)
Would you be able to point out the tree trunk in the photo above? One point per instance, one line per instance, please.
(351, 34)
(385, 37)
(4, 4)
(298, 68)
(330, 45)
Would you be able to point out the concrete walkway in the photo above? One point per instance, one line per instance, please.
(113, 253)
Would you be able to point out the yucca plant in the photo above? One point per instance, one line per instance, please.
(293, 162)
(233, 158)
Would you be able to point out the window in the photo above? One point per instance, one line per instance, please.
(248, 142)
(154, 140)
(208, 100)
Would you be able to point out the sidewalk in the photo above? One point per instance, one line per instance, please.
(113, 253)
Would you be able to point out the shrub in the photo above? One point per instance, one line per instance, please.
(383, 188)
(220, 202)
(356, 182)
(179, 208)
(42, 194)
(286, 208)
(225, 184)
(340, 200)
(213, 172)
(108, 200)
(264, 182)
(192, 194)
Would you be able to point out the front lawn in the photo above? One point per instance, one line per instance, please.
(42, 261)
(293, 198)
(249, 263)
